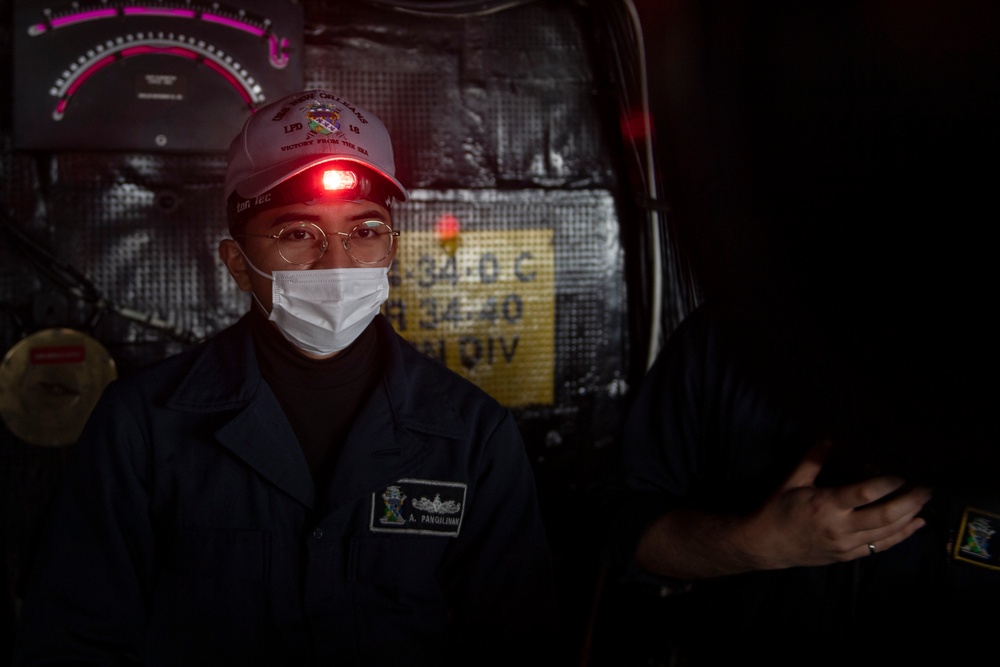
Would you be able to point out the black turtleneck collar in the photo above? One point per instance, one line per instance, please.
(320, 397)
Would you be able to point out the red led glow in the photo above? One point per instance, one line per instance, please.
(447, 227)
(636, 124)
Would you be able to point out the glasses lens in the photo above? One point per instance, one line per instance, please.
(301, 243)
(370, 242)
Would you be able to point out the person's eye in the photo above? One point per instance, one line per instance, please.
(369, 230)
(299, 234)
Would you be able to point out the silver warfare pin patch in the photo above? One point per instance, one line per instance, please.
(419, 506)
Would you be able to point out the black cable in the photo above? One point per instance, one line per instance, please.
(677, 294)
(78, 285)
(449, 8)
(58, 271)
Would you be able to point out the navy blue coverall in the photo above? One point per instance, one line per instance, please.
(182, 535)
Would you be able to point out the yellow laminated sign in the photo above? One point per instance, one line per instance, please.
(483, 302)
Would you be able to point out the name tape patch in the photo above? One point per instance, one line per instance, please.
(421, 506)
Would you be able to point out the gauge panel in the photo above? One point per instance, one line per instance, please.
(149, 76)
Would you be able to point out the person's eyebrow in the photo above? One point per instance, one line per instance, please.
(293, 216)
(303, 216)
(371, 214)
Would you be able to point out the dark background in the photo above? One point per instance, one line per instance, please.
(827, 170)
(833, 165)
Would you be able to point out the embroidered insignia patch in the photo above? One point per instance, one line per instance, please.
(974, 537)
(323, 117)
(422, 506)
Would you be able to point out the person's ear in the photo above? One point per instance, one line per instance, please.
(234, 260)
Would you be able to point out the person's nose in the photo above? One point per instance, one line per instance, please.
(336, 256)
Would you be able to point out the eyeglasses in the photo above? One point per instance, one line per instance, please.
(304, 242)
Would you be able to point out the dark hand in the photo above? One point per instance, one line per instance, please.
(805, 525)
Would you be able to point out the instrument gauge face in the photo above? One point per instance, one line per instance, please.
(49, 384)
(149, 76)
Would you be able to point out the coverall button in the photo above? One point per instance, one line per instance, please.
(318, 533)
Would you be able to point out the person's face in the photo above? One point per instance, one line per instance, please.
(331, 217)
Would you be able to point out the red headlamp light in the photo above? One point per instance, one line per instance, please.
(337, 183)
(339, 179)
(324, 182)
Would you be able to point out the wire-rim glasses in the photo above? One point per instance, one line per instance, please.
(303, 243)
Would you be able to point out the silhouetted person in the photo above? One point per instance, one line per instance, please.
(814, 455)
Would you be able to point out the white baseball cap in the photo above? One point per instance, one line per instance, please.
(286, 137)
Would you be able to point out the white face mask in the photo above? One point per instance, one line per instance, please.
(322, 311)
